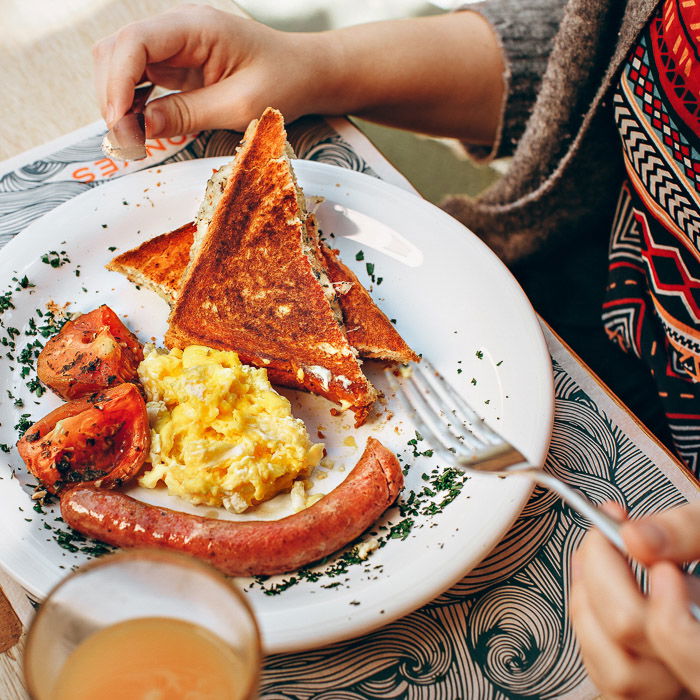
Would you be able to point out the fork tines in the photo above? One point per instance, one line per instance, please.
(448, 422)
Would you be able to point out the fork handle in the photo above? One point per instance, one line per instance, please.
(607, 525)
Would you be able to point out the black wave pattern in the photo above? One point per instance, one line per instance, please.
(519, 637)
(503, 631)
(24, 200)
(88, 150)
(312, 138)
(27, 193)
(412, 657)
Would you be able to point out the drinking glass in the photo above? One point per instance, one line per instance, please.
(126, 590)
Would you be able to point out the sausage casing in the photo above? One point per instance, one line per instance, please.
(250, 547)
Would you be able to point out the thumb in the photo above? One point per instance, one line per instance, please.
(673, 535)
(191, 111)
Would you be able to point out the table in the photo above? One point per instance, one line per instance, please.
(502, 631)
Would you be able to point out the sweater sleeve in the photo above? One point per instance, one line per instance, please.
(526, 31)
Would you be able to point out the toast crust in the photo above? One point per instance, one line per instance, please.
(367, 327)
(159, 264)
(251, 284)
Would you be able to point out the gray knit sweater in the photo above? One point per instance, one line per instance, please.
(567, 159)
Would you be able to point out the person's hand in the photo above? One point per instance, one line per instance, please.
(635, 646)
(229, 69)
(442, 75)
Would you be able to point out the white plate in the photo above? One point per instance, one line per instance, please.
(452, 300)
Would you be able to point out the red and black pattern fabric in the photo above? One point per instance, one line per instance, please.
(652, 305)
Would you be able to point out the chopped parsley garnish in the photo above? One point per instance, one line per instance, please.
(414, 444)
(360, 255)
(370, 270)
(36, 387)
(45, 324)
(55, 258)
(23, 283)
(23, 424)
(73, 541)
(6, 302)
(402, 529)
(441, 487)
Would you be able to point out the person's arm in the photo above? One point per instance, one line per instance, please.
(442, 75)
(636, 646)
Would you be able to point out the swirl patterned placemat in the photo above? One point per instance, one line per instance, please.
(501, 632)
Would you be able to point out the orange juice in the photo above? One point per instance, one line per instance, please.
(152, 658)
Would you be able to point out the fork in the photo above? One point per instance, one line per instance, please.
(463, 439)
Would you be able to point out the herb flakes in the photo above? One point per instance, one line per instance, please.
(55, 258)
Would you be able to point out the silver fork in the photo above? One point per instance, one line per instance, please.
(463, 439)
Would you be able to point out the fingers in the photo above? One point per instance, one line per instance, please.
(227, 68)
(614, 510)
(617, 672)
(672, 535)
(211, 107)
(615, 598)
(121, 60)
(132, 50)
(174, 78)
(101, 53)
(673, 633)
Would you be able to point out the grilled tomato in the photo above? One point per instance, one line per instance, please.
(102, 438)
(90, 353)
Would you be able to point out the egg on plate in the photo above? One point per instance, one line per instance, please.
(220, 434)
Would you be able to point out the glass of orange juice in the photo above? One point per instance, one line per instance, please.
(143, 625)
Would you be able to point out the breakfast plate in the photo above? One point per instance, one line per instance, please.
(451, 299)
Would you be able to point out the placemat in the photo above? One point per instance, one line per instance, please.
(503, 631)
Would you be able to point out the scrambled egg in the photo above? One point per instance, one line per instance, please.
(220, 434)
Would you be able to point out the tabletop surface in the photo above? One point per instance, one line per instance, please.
(47, 58)
(47, 63)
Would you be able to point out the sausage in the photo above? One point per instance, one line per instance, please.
(245, 548)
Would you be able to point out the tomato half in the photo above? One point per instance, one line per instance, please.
(90, 353)
(102, 438)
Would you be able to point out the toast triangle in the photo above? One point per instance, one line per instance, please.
(159, 264)
(254, 283)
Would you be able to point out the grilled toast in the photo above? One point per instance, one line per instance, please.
(367, 327)
(159, 263)
(254, 282)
